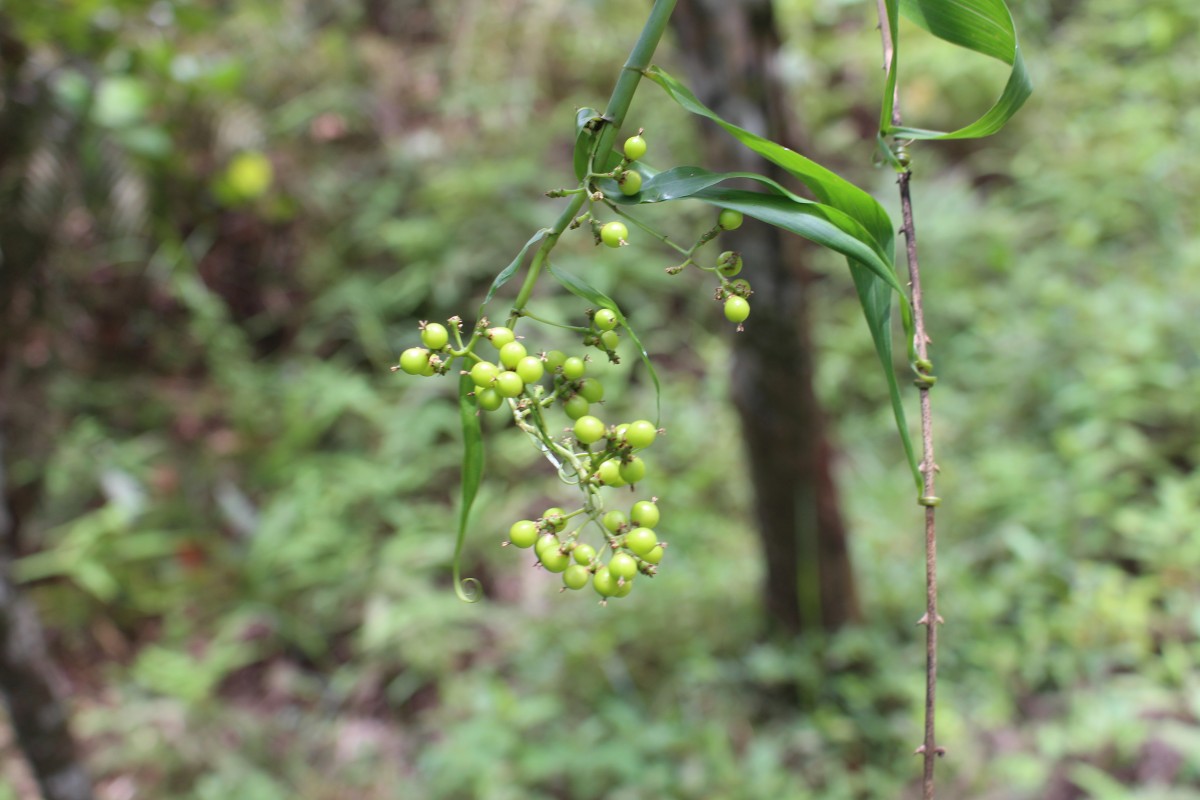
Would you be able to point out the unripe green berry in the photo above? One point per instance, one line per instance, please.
(592, 390)
(484, 373)
(729, 263)
(511, 353)
(573, 368)
(741, 287)
(633, 470)
(554, 359)
(546, 543)
(635, 148)
(509, 384)
(530, 369)
(609, 473)
(435, 336)
(640, 434)
(624, 587)
(729, 220)
(655, 555)
(488, 399)
(605, 583)
(641, 541)
(737, 309)
(523, 533)
(644, 514)
(605, 319)
(576, 577)
(623, 565)
(555, 517)
(500, 336)
(613, 233)
(589, 429)
(554, 560)
(414, 360)
(610, 339)
(630, 182)
(576, 406)
(584, 554)
(615, 520)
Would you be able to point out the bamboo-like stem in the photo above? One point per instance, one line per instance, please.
(929, 749)
(614, 116)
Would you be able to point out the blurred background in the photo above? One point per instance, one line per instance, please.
(221, 223)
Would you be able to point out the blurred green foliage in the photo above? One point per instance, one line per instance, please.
(244, 531)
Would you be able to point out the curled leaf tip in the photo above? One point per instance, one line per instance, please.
(469, 590)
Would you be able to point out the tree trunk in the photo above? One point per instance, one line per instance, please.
(730, 50)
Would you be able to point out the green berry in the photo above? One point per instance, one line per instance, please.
(615, 520)
(613, 233)
(624, 587)
(484, 373)
(623, 565)
(546, 543)
(729, 220)
(509, 384)
(500, 336)
(729, 263)
(556, 517)
(631, 183)
(618, 436)
(605, 319)
(640, 434)
(435, 336)
(644, 514)
(633, 470)
(576, 577)
(429, 370)
(554, 560)
(737, 309)
(573, 368)
(609, 473)
(589, 429)
(576, 406)
(584, 554)
(641, 541)
(554, 359)
(414, 360)
(488, 399)
(530, 369)
(592, 390)
(655, 555)
(511, 353)
(635, 148)
(610, 339)
(523, 533)
(605, 583)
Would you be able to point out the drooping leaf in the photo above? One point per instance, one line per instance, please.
(983, 26)
(876, 300)
(827, 186)
(506, 274)
(581, 288)
(472, 474)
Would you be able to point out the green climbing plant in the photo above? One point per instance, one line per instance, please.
(500, 368)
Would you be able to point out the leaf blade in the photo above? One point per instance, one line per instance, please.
(472, 475)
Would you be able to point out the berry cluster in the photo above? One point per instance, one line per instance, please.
(588, 453)
(631, 539)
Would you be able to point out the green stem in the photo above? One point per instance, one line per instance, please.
(614, 116)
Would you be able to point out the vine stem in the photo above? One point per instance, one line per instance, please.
(614, 118)
(929, 749)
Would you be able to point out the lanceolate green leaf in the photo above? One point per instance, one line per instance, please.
(506, 274)
(876, 300)
(580, 288)
(827, 186)
(984, 26)
(874, 285)
(472, 474)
